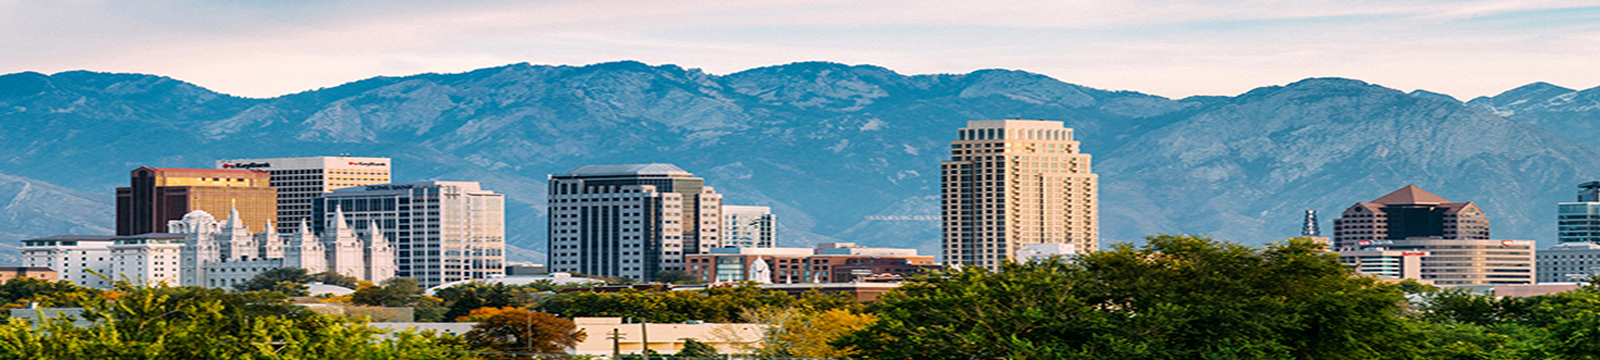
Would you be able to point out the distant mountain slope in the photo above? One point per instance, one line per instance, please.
(33, 209)
(824, 144)
(1571, 113)
(1244, 169)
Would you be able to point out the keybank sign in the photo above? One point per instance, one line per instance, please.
(249, 165)
(353, 163)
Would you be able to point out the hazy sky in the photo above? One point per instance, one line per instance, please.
(1169, 48)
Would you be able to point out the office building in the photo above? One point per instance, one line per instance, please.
(442, 231)
(1450, 241)
(630, 221)
(1408, 213)
(1012, 183)
(749, 226)
(1579, 221)
(1575, 261)
(301, 180)
(81, 259)
(158, 195)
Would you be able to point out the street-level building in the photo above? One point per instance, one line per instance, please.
(749, 226)
(1013, 183)
(41, 273)
(443, 231)
(1575, 261)
(158, 195)
(301, 180)
(631, 221)
(828, 262)
(82, 259)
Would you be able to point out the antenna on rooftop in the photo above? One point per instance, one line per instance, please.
(1310, 227)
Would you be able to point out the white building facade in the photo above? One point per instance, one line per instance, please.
(147, 258)
(81, 259)
(301, 180)
(223, 253)
(442, 231)
(749, 226)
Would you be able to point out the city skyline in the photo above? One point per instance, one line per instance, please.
(1167, 48)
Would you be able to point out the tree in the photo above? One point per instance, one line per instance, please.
(335, 279)
(395, 292)
(676, 277)
(290, 281)
(198, 323)
(1175, 297)
(800, 333)
(521, 330)
(694, 349)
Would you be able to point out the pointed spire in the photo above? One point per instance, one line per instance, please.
(270, 230)
(305, 227)
(338, 218)
(233, 218)
(375, 232)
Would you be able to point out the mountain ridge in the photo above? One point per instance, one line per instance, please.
(824, 144)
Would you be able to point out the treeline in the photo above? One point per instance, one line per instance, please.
(1173, 297)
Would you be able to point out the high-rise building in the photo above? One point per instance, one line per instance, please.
(1012, 183)
(159, 195)
(1579, 221)
(630, 221)
(1408, 213)
(1449, 241)
(301, 180)
(749, 226)
(442, 231)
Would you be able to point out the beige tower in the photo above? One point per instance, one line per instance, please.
(1011, 184)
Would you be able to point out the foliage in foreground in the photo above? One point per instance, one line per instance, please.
(1176, 297)
(198, 323)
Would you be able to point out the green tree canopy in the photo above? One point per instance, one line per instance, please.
(1175, 297)
(289, 281)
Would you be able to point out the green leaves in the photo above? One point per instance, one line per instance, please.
(1175, 297)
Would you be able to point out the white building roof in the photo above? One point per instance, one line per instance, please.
(628, 169)
(335, 290)
(557, 278)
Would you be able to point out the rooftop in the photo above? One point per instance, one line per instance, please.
(1411, 194)
(627, 169)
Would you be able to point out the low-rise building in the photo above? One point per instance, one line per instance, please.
(1448, 262)
(82, 259)
(1568, 262)
(828, 262)
(42, 273)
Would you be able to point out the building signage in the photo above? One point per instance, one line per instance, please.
(1364, 243)
(1515, 242)
(355, 163)
(1413, 253)
(389, 187)
(249, 165)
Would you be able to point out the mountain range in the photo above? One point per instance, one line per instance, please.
(825, 145)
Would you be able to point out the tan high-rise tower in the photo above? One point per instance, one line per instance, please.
(1013, 184)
